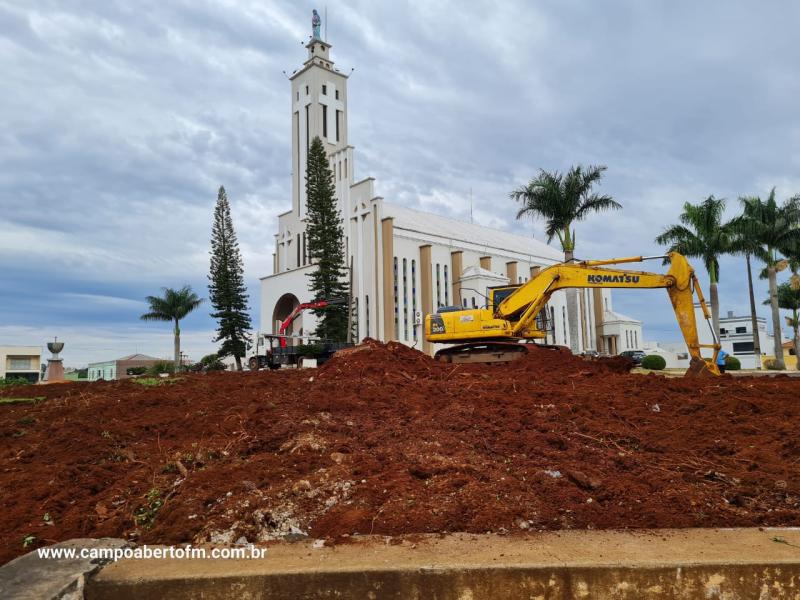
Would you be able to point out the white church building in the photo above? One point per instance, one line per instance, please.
(405, 263)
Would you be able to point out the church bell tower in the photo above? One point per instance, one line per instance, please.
(319, 108)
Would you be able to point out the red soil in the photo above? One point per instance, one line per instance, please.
(386, 441)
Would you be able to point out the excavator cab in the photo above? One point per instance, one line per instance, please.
(499, 293)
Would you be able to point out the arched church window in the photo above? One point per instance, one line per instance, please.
(405, 299)
(308, 131)
(438, 285)
(396, 299)
(413, 289)
(366, 312)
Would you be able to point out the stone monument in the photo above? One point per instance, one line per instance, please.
(55, 366)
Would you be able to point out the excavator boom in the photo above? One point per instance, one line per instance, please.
(517, 316)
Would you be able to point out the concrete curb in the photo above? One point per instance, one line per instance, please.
(697, 563)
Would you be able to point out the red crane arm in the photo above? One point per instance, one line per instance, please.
(296, 313)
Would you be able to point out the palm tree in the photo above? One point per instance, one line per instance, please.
(173, 306)
(753, 315)
(561, 200)
(774, 230)
(789, 299)
(702, 234)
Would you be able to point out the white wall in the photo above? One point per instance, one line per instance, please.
(273, 287)
(675, 356)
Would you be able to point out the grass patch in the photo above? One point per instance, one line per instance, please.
(21, 400)
(155, 381)
(146, 514)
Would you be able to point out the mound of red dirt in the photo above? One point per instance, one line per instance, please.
(384, 440)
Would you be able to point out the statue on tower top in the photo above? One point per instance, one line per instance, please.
(316, 22)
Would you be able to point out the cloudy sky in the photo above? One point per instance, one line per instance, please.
(120, 119)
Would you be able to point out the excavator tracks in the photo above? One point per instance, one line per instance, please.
(487, 352)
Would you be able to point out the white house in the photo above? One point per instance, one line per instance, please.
(21, 362)
(735, 337)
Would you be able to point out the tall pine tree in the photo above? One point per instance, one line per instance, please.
(325, 243)
(226, 288)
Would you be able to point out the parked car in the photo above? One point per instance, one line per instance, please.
(635, 355)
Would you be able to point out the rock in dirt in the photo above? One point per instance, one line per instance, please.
(301, 487)
(584, 481)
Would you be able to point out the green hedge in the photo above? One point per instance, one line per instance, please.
(8, 382)
(654, 362)
(161, 367)
(732, 363)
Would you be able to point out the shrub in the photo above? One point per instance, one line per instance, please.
(732, 363)
(146, 514)
(156, 381)
(9, 381)
(161, 367)
(771, 365)
(310, 350)
(654, 362)
(212, 362)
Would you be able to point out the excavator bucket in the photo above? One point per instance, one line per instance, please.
(701, 368)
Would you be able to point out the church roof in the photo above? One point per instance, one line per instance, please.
(473, 271)
(138, 357)
(468, 233)
(610, 316)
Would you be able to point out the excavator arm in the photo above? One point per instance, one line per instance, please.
(515, 317)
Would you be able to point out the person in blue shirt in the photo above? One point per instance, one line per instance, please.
(721, 360)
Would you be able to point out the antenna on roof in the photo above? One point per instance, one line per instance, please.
(470, 205)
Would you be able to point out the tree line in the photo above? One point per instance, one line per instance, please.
(227, 294)
(226, 286)
(766, 230)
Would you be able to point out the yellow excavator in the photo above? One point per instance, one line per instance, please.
(514, 313)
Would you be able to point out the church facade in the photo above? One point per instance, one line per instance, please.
(406, 263)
